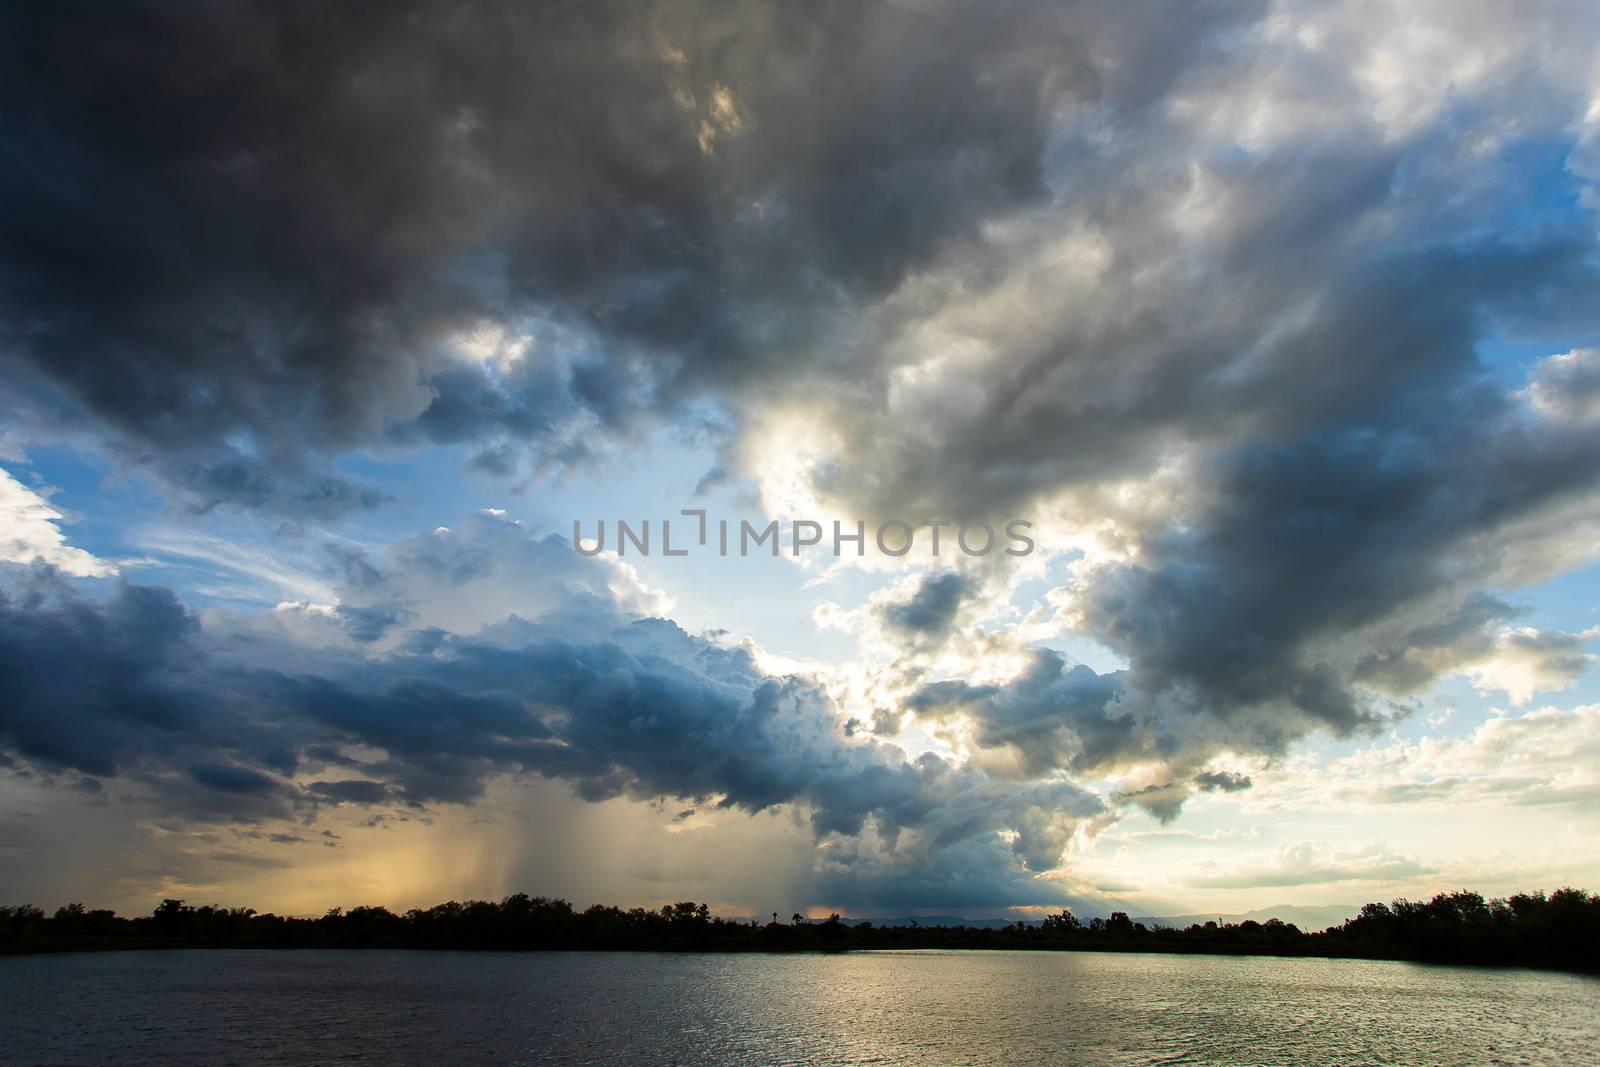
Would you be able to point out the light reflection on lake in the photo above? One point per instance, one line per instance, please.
(446, 1008)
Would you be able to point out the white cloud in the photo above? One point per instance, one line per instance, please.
(1526, 661)
(1548, 756)
(235, 567)
(1567, 386)
(30, 530)
(1307, 863)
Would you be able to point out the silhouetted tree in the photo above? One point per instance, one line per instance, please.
(1558, 930)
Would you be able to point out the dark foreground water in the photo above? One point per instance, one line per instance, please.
(443, 1009)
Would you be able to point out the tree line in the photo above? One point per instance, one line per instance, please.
(1559, 930)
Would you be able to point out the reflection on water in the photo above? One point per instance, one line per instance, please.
(444, 1008)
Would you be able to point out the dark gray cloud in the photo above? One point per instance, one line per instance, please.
(352, 791)
(369, 622)
(227, 778)
(127, 658)
(1222, 781)
(1327, 562)
(246, 239)
(930, 610)
(1055, 714)
(1336, 569)
(135, 688)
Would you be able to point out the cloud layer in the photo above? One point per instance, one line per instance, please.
(1276, 318)
(253, 724)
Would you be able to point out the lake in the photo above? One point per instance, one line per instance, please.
(447, 1008)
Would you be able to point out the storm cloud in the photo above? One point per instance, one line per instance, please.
(248, 239)
(1277, 321)
(133, 687)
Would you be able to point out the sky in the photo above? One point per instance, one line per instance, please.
(323, 329)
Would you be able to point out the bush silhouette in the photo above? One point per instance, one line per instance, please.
(1561, 930)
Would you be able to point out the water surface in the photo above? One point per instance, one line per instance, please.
(445, 1008)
